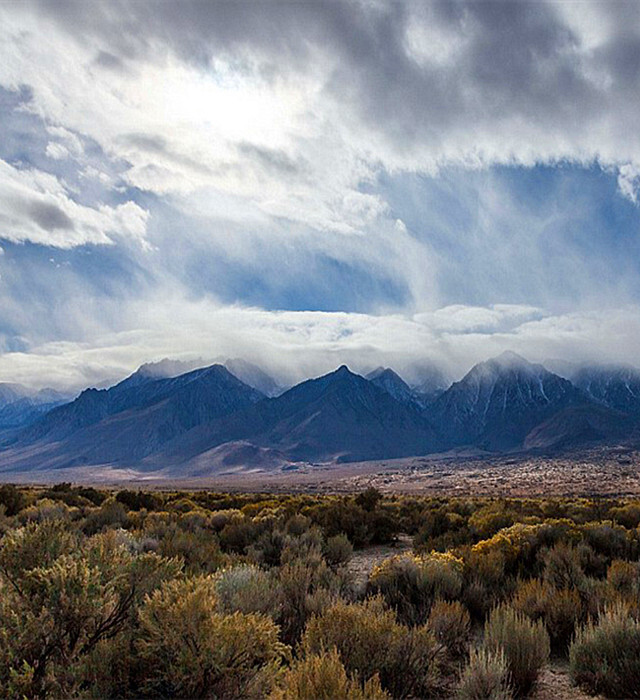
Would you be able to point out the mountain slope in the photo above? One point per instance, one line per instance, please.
(340, 416)
(500, 401)
(141, 390)
(578, 425)
(21, 406)
(131, 420)
(612, 386)
(253, 376)
(393, 384)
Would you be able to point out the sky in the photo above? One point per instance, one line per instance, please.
(310, 183)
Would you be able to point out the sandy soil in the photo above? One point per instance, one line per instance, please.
(363, 560)
(607, 471)
(555, 684)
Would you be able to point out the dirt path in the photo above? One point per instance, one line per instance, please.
(555, 684)
(363, 560)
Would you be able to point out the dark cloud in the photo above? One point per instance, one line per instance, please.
(107, 60)
(514, 61)
(50, 217)
(272, 159)
(158, 146)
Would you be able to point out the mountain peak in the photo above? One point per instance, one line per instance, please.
(510, 358)
(377, 372)
(342, 371)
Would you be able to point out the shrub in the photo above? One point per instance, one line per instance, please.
(370, 642)
(199, 550)
(525, 645)
(46, 510)
(623, 577)
(560, 610)
(191, 650)
(324, 677)
(338, 550)
(606, 538)
(306, 588)
(12, 499)
(368, 499)
(563, 568)
(451, 626)
(485, 522)
(62, 597)
(486, 677)
(238, 534)
(111, 513)
(246, 589)
(297, 525)
(410, 584)
(605, 656)
(34, 545)
(136, 500)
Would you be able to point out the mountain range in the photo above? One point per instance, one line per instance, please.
(21, 406)
(231, 417)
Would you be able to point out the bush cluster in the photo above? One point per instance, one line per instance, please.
(118, 594)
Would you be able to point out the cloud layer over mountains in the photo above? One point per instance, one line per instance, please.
(376, 182)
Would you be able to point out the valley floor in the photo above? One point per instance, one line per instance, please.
(604, 471)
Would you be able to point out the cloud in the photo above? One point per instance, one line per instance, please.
(629, 181)
(295, 345)
(295, 106)
(37, 207)
(430, 179)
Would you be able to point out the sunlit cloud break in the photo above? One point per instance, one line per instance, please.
(306, 184)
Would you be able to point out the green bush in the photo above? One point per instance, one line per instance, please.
(410, 584)
(12, 499)
(61, 597)
(605, 655)
(624, 577)
(193, 651)
(450, 624)
(561, 611)
(338, 550)
(199, 550)
(525, 645)
(111, 514)
(306, 588)
(486, 677)
(323, 677)
(563, 567)
(247, 589)
(370, 642)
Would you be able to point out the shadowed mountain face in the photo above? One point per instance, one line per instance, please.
(500, 401)
(578, 425)
(340, 416)
(20, 406)
(207, 419)
(141, 413)
(615, 387)
(392, 383)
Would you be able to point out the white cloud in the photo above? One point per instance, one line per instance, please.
(407, 87)
(37, 207)
(295, 345)
(629, 181)
(57, 151)
(270, 128)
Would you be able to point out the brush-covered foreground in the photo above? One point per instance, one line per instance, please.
(212, 595)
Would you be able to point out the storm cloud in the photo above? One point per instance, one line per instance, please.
(460, 177)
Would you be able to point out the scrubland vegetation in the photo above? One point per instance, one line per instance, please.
(211, 595)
